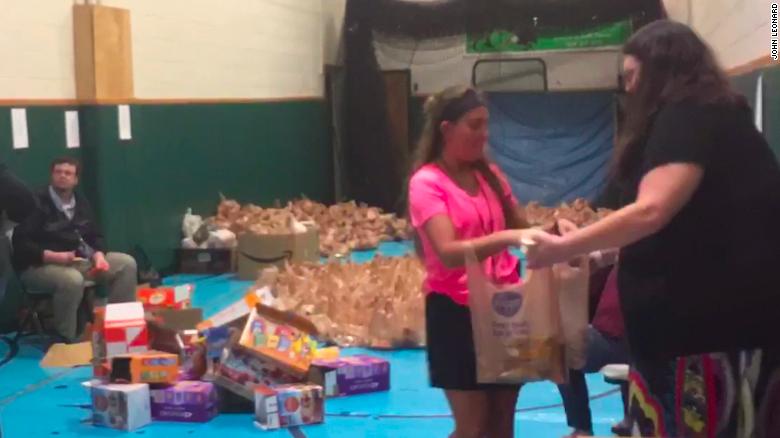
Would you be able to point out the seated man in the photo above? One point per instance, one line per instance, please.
(60, 245)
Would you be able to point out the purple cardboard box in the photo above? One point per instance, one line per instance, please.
(191, 402)
(351, 375)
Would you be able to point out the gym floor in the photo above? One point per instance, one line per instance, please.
(37, 402)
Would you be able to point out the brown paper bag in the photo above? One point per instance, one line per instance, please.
(517, 334)
(572, 283)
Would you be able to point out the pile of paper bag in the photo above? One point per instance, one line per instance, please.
(378, 304)
(342, 227)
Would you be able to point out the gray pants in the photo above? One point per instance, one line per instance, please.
(66, 285)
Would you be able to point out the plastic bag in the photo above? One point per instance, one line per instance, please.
(572, 283)
(517, 330)
(190, 223)
(222, 239)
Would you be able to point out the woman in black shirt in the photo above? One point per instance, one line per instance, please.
(699, 240)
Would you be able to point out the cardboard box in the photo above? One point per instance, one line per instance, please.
(256, 251)
(147, 367)
(178, 319)
(190, 402)
(275, 348)
(173, 331)
(123, 407)
(234, 313)
(351, 375)
(100, 366)
(67, 355)
(242, 369)
(206, 261)
(166, 297)
(282, 337)
(327, 353)
(288, 405)
(124, 329)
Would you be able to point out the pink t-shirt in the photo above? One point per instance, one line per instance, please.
(432, 192)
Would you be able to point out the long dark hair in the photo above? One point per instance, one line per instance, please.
(675, 65)
(431, 145)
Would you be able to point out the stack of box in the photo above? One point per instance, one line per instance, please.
(275, 365)
(274, 347)
(118, 329)
(119, 333)
(129, 374)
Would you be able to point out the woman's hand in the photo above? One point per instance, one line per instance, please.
(566, 226)
(544, 249)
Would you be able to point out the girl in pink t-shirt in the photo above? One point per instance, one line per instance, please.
(458, 200)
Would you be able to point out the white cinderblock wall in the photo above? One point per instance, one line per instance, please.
(36, 49)
(181, 48)
(737, 30)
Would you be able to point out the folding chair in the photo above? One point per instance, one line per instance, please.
(34, 310)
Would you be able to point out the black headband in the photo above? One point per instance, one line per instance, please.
(460, 106)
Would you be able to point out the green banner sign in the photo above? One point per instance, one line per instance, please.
(499, 41)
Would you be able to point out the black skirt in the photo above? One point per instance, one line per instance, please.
(452, 363)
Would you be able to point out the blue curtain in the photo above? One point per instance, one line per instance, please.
(553, 147)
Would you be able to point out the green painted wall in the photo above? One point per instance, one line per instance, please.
(180, 156)
(46, 131)
(184, 156)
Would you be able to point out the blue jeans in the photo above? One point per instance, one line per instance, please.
(602, 350)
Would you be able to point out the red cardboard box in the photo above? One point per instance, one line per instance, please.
(124, 329)
(178, 297)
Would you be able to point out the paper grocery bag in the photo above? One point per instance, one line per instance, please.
(517, 331)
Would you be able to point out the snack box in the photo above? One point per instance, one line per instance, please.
(123, 407)
(288, 405)
(351, 375)
(187, 401)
